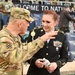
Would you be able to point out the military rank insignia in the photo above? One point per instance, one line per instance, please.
(33, 34)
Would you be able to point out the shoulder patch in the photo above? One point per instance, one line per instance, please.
(61, 31)
(8, 46)
(5, 47)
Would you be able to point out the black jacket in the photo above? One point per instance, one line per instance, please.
(49, 52)
(64, 19)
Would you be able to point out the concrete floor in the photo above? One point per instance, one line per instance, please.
(68, 69)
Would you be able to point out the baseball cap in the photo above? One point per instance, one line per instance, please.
(21, 13)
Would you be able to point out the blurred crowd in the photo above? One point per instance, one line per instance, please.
(37, 17)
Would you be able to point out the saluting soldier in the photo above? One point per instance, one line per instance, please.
(12, 51)
(54, 51)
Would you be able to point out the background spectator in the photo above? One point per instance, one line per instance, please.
(5, 7)
(64, 19)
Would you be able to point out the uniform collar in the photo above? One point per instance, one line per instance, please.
(7, 31)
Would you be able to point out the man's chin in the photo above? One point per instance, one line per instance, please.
(21, 34)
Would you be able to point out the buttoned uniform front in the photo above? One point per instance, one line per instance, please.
(13, 54)
(50, 51)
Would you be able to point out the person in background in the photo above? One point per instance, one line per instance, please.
(74, 27)
(0, 20)
(12, 51)
(64, 19)
(54, 54)
(17, 1)
(5, 8)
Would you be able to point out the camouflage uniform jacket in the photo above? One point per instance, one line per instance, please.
(13, 54)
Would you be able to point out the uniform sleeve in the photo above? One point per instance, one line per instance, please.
(32, 60)
(63, 55)
(6, 47)
(33, 47)
(25, 52)
(17, 54)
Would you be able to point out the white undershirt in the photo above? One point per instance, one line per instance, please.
(48, 39)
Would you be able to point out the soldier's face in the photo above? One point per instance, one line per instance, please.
(48, 22)
(24, 27)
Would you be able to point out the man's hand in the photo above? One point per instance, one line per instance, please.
(49, 35)
(39, 63)
(5, 12)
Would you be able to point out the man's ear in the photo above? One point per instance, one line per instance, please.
(20, 24)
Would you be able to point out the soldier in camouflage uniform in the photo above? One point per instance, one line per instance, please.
(5, 7)
(12, 51)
